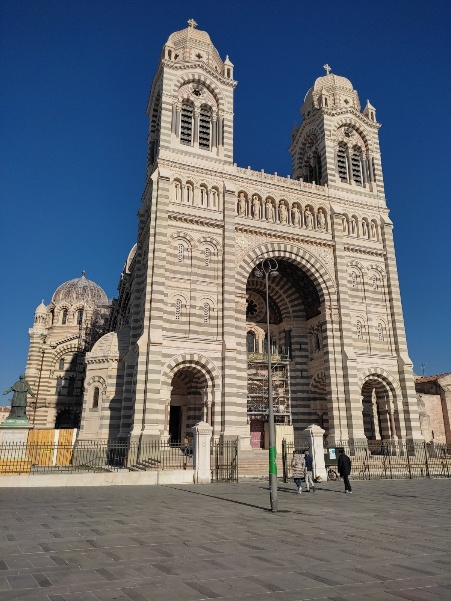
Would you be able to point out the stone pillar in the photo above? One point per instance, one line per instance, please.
(201, 459)
(314, 435)
(233, 413)
(406, 402)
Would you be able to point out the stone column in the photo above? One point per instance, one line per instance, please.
(201, 459)
(148, 409)
(347, 398)
(165, 399)
(314, 435)
(233, 412)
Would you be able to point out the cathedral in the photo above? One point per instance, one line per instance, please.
(186, 339)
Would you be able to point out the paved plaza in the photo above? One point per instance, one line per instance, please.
(387, 541)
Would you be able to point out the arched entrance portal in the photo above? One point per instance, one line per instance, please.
(188, 402)
(298, 340)
(379, 420)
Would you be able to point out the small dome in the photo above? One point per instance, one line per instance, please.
(192, 44)
(41, 309)
(80, 290)
(113, 344)
(338, 90)
(131, 256)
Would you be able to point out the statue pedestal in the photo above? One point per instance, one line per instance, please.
(14, 457)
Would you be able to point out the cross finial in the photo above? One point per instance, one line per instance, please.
(327, 68)
(192, 23)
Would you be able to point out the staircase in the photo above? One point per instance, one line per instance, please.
(255, 464)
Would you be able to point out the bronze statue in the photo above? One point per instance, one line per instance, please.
(19, 401)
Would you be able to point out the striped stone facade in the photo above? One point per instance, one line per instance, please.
(190, 321)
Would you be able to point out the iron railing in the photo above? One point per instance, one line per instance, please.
(92, 456)
(376, 460)
(224, 460)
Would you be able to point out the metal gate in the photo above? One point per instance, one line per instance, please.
(224, 460)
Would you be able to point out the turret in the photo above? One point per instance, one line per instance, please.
(191, 101)
(337, 144)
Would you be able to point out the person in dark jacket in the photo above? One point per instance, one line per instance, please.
(309, 472)
(344, 469)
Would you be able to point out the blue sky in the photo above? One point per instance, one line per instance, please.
(75, 80)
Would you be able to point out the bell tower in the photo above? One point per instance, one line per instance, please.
(337, 144)
(191, 101)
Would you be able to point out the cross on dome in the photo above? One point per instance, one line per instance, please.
(327, 68)
(192, 23)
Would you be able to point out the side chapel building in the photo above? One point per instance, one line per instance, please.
(187, 335)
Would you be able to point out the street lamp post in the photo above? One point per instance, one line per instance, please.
(269, 267)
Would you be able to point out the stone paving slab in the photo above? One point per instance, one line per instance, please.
(388, 541)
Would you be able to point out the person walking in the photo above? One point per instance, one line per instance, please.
(308, 460)
(298, 469)
(344, 469)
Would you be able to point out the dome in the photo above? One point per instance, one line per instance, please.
(80, 290)
(337, 89)
(113, 344)
(192, 44)
(41, 309)
(131, 256)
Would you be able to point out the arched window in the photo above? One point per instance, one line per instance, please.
(380, 332)
(342, 163)
(214, 198)
(64, 317)
(189, 193)
(206, 313)
(95, 397)
(52, 316)
(353, 279)
(186, 124)
(203, 197)
(59, 385)
(205, 128)
(374, 281)
(356, 163)
(61, 364)
(319, 168)
(250, 342)
(177, 191)
(180, 253)
(79, 317)
(207, 257)
(359, 330)
(178, 309)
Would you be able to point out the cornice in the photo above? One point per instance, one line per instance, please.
(364, 250)
(56, 343)
(195, 220)
(286, 237)
(183, 66)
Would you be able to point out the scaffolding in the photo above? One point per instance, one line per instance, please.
(257, 387)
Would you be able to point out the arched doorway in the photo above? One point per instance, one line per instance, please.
(378, 413)
(298, 342)
(188, 404)
(68, 418)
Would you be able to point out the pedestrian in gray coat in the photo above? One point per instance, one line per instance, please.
(298, 469)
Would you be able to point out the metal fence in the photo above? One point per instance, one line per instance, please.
(92, 456)
(383, 460)
(224, 460)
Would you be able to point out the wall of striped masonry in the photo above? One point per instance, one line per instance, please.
(206, 223)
